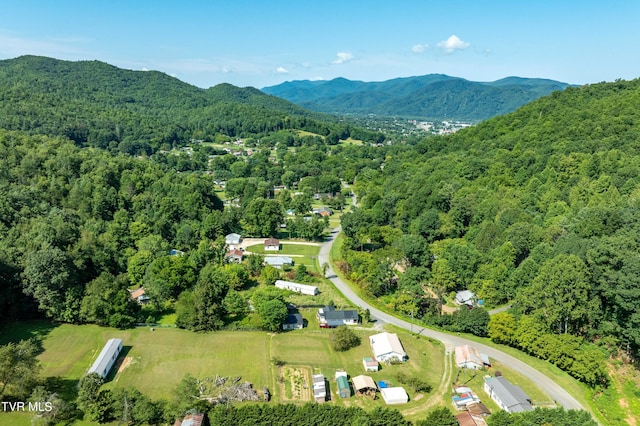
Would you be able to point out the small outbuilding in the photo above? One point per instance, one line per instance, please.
(370, 364)
(395, 395)
(107, 357)
(319, 388)
(309, 290)
(364, 385)
(344, 390)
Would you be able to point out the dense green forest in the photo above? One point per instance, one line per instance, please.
(140, 112)
(538, 208)
(432, 97)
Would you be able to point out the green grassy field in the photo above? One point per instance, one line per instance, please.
(155, 361)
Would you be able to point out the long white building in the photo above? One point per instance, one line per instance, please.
(298, 288)
(102, 365)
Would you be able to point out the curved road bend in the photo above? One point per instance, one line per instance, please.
(556, 392)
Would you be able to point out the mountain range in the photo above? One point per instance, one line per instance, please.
(97, 104)
(433, 96)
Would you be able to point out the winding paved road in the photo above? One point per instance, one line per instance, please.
(556, 392)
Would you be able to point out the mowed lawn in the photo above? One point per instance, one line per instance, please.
(159, 359)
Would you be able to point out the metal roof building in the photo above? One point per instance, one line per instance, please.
(387, 347)
(102, 365)
(310, 290)
(509, 397)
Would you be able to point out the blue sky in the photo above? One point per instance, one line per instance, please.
(262, 43)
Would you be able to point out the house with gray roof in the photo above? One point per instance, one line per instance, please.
(329, 317)
(509, 397)
(278, 261)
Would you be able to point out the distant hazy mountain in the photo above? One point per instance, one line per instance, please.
(433, 96)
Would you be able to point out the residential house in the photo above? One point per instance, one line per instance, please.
(234, 256)
(469, 357)
(107, 357)
(329, 317)
(232, 240)
(278, 261)
(387, 347)
(293, 322)
(298, 288)
(370, 364)
(272, 244)
(465, 297)
(319, 388)
(509, 397)
(323, 211)
(139, 296)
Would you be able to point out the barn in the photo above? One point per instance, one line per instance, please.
(102, 365)
(364, 385)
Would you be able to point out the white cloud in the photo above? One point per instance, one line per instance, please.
(12, 45)
(343, 57)
(419, 48)
(452, 44)
(282, 70)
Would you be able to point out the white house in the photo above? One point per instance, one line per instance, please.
(298, 288)
(387, 347)
(272, 244)
(465, 297)
(232, 240)
(102, 365)
(469, 357)
(395, 395)
(328, 317)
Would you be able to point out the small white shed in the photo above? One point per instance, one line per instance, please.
(395, 395)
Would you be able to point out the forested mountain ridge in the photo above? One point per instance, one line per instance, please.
(538, 207)
(97, 104)
(433, 96)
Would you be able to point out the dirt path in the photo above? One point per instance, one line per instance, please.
(443, 386)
